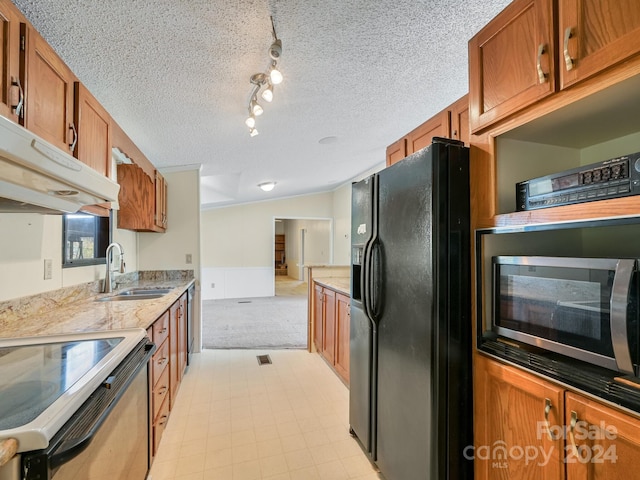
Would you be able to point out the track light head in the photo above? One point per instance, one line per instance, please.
(275, 50)
(267, 94)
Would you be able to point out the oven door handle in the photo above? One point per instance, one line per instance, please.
(618, 307)
(76, 435)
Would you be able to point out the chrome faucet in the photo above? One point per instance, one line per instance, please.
(108, 287)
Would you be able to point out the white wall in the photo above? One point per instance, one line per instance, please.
(169, 250)
(317, 248)
(27, 239)
(342, 225)
(237, 244)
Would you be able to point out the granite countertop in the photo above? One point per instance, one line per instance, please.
(85, 314)
(339, 284)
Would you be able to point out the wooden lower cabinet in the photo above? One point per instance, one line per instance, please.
(529, 428)
(167, 365)
(602, 443)
(331, 328)
(510, 413)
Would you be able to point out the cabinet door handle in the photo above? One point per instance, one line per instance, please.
(72, 146)
(547, 408)
(19, 107)
(163, 390)
(572, 438)
(568, 61)
(542, 77)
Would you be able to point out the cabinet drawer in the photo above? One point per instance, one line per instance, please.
(161, 328)
(160, 423)
(160, 391)
(159, 362)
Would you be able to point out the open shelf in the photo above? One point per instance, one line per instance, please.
(599, 127)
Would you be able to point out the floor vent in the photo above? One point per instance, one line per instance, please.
(264, 359)
(244, 301)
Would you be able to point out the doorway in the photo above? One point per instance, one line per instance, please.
(306, 241)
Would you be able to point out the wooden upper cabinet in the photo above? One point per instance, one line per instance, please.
(136, 198)
(49, 85)
(511, 61)
(396, 151)
(11, 92)
(594, 35)
(452, 122)
(436, 126)
(603, 442)
(459, 113)
(511, 410)
(93, 124)
(143, 190)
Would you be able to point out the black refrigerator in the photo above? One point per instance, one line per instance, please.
(410, 400)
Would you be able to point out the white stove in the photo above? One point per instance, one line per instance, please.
(44, 380)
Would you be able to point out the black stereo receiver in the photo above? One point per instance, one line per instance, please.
(613, 178)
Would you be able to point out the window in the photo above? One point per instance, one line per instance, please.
(84, 239)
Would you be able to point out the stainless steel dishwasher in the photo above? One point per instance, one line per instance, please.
(78, 406)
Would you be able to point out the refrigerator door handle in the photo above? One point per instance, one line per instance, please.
(375, 281)
(366, 279)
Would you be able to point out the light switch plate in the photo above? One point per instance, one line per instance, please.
(48, 269)
(189, 258)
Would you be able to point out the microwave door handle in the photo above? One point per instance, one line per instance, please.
(618, 314)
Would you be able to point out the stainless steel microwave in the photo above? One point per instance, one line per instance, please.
(583, 308)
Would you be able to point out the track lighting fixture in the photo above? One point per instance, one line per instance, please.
(264, 82)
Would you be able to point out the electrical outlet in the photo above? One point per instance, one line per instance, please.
(189, 259)
(48, 269)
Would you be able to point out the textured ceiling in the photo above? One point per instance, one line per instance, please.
(174, 74)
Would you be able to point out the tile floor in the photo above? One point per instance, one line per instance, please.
(236, 420)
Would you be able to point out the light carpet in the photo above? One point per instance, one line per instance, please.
(264, 322)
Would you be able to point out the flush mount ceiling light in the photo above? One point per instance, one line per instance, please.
(265, 82)
(267, 186)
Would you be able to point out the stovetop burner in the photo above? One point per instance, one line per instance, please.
(44, 380)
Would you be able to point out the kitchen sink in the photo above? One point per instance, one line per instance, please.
(120, 297)
(145, 291)
(136, 294)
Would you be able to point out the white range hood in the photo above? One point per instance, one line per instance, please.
(36, 176)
